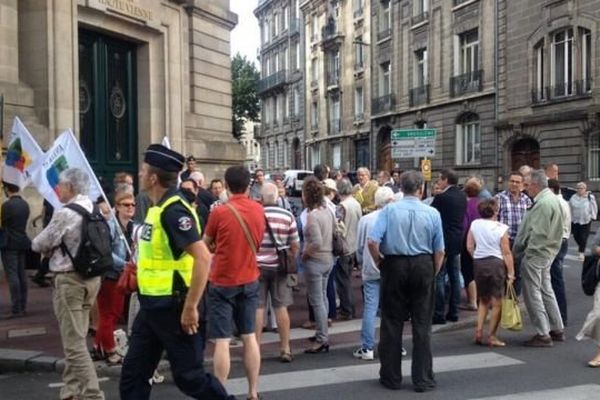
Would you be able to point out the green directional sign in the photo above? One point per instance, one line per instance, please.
(412, 143)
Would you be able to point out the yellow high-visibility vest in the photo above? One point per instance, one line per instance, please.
(156, 263)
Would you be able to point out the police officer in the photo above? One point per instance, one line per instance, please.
(172, 272)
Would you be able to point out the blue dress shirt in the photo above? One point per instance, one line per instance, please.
(408, 228)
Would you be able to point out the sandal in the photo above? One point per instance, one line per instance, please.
(495, 342)
(478, 335)
(286, 356)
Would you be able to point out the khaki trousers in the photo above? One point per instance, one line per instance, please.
(73, 298)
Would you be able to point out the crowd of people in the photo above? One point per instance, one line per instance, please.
(215, 261)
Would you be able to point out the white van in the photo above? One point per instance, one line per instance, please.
(293, 180)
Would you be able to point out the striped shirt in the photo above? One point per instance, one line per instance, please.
(283, 225)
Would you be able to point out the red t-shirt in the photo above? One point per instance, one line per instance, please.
(234, 263)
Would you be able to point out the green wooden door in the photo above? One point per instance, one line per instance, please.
(107, 104)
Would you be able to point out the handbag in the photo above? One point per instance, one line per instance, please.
(339, 243)
(127, 282)
(511, 313)
(590, 274)
(244, 227)
(287, 263)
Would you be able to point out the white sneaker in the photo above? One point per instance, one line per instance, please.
(363, 354)
(404, 352)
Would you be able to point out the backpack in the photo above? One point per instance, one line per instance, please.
(94, 255)
(340, 244)
(590, 274)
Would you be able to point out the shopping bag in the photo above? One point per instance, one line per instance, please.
(511, 313)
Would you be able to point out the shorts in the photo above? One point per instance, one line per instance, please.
(229, 305)
(276, 284)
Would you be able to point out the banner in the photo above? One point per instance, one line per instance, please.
(22, 152)
(65, 153)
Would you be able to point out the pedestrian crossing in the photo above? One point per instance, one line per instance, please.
(354, 373)
(580, 392)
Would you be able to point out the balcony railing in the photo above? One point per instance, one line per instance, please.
(272, 81)
(417, 19)
(333, 79)
(358, 13)
(458, 2)
(383, 103)
(384, 34)
(294, 26)
(564, 90)
(335, 126)
(359, 65)
(466, 83)
(331, 30)
(419, 95)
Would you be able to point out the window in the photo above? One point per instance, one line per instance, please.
(314, 115)
(334, 115)
(314, 28)
(594, 157)
(266, 31)
(276, 65)
(422, 6)
(420, 68)
(358, 8)
(314, 70)
(561, 64)
(468, 140)
(336, 156)
(385, 81)
(284, 59)
(263, 39)
(279, 108)
(586, 60)
(267, 110)
(267, 151)
(276, 19)
(285, 14)
(538, 87)
(315, 154)
(286, 105)
(359, 54)
(285, 153)
(333, 70)
(275, 110)
(359, 103)
(297, 51)
(296, 102)
(386, 22)
(468, 59)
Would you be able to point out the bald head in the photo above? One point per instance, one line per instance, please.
(269, 193)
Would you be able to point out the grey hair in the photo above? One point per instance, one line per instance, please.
(77, 179)
(198, 177)
(383, 195)
(525, 170)
(538, 176)
(364, 169)
(269, 193)
(411, 181)
(344, 187)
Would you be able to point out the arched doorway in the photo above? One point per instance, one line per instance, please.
(384, 149)
(297, 154)
(525, 152)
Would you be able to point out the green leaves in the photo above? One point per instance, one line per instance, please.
(245, 104)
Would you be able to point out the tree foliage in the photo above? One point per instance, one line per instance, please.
(244, 81)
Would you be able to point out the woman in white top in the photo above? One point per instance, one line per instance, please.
(583, 210)
(487, 242)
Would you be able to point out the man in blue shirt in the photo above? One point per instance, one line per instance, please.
(407, 242)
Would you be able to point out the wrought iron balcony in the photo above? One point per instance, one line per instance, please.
(331, 31)
(466, 83)
(417, 19)
(384, 34)
(272, 81)
(383, 103)
(573, 89)
(335, 126)
(419, 95)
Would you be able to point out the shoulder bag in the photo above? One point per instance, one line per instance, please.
(590, 274)
(244, 227)
(511, 313)
(287, 263)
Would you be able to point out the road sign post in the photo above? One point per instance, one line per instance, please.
(413, 143)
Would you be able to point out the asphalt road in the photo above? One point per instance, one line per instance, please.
(463, 370)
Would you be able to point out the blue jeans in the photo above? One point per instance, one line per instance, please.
(558, 282)
(451, 268)
(371, 298)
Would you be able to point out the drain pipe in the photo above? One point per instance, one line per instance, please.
(496, 101)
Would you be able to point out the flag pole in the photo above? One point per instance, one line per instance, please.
(113, 216)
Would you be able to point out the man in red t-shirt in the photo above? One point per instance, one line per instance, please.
(234, 233)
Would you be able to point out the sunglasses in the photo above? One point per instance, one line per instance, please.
(127, 204)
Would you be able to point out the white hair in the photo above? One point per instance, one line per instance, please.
(198, 177)
(383, 195)
(77, 179)
(365, 170)
(269, 193)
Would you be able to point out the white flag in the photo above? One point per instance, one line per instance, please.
(166, 142)
(22, 152)
(65, 153)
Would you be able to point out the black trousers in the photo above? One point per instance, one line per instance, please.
(580, 234)
(407, 286)
(153, 331)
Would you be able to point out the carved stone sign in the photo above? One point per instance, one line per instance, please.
(130, 8)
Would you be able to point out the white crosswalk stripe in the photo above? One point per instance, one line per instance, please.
(355, 373)
(581, 392)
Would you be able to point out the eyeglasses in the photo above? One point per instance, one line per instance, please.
(127, 204)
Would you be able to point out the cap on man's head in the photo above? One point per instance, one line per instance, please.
(190, 158)
(164, 158)
(330, 184)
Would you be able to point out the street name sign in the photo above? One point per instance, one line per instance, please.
(412, 143)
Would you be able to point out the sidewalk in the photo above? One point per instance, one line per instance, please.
(32, 343)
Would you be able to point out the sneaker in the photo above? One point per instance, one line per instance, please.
(581, 257)
(539, 341)
(363, 354)
(404, 352)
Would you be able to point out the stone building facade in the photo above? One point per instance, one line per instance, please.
(281, 87)
(122, 74)
(338, 76)
(548, 94)
(433, 66)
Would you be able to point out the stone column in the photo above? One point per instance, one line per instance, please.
(9, 42)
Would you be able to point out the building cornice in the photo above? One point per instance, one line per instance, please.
(212, 12)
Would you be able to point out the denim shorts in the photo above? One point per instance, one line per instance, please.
(229, 305)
